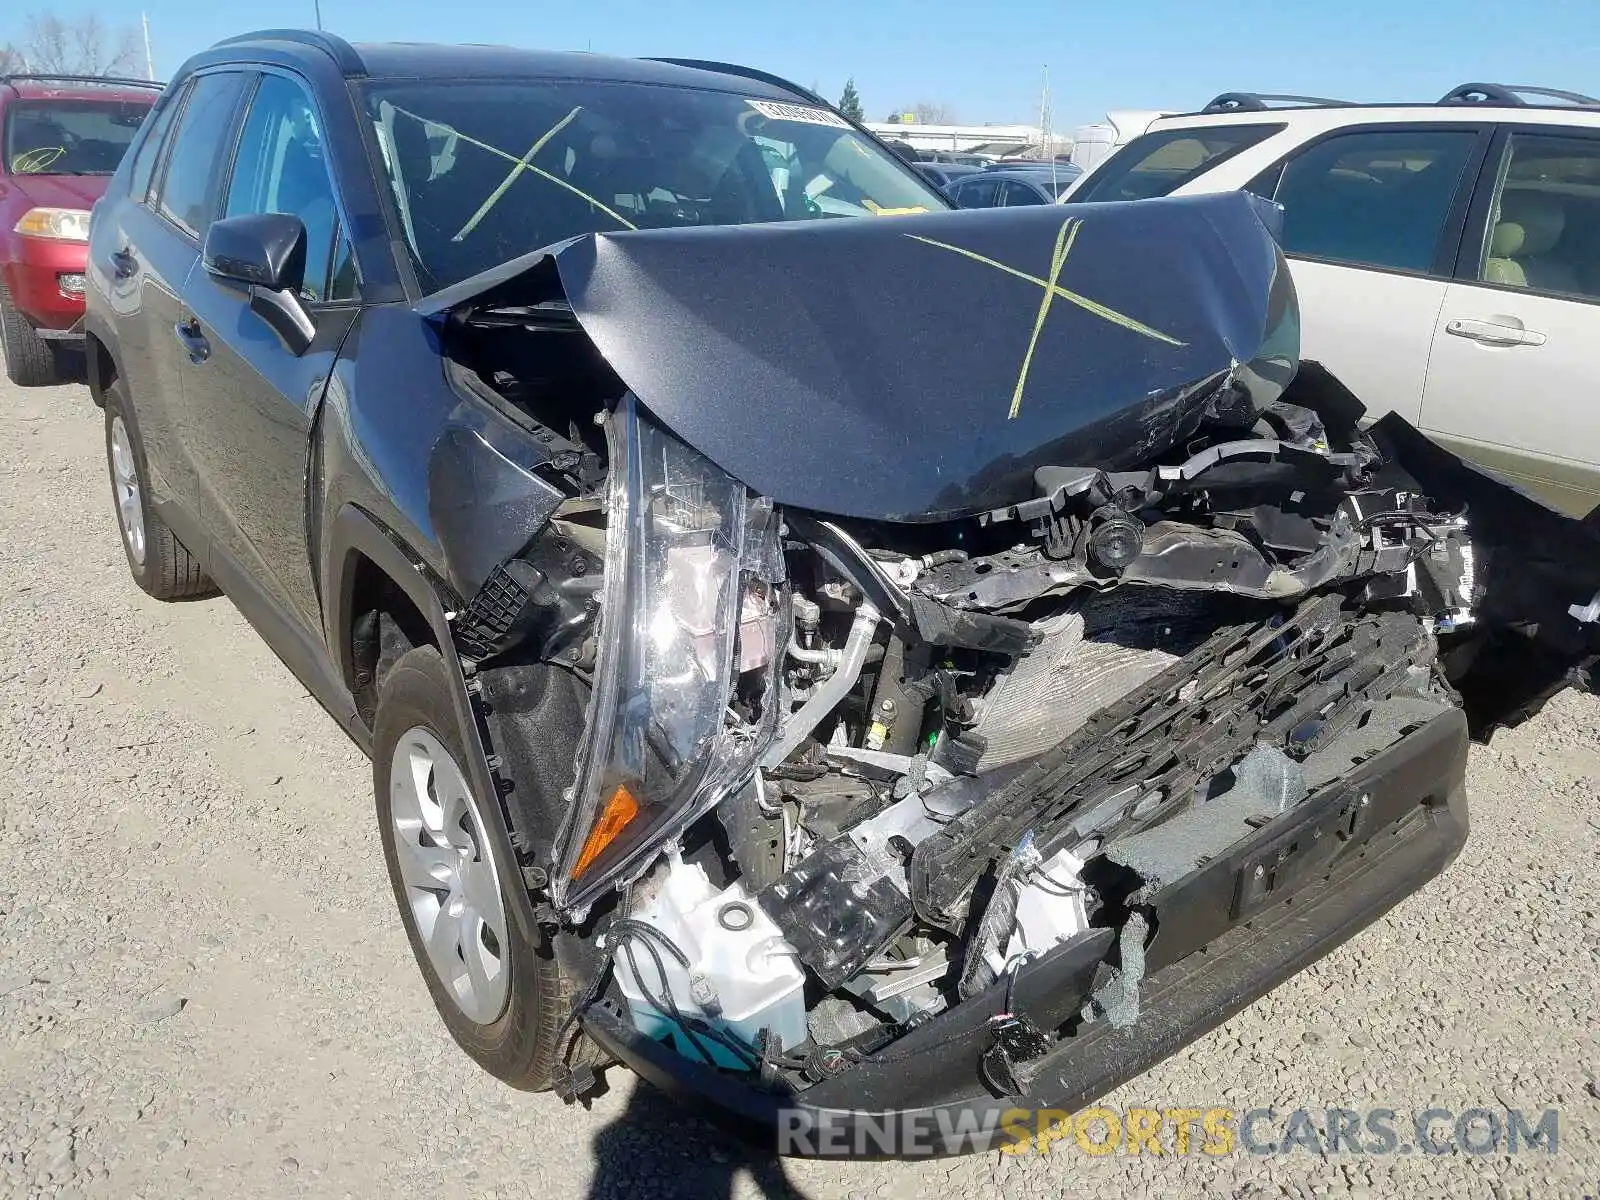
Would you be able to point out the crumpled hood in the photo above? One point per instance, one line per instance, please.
(921, 367)
(61, 191)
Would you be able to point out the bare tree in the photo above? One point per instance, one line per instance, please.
(84, 46)
(924, 112)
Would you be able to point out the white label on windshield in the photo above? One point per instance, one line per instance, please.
(806, 114)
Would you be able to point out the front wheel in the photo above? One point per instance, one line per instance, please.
(29, 359)
(500, 991)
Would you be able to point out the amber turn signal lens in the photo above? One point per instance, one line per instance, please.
(619, 810)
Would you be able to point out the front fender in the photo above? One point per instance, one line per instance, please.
(352, 534)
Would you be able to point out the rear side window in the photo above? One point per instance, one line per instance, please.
(1159, 163)
(188, 194)
(1374, 198)
(976, 193)
(1021, 193)
(149, 152)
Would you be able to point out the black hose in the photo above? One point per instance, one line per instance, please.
(692, 1026)
(670, 1010)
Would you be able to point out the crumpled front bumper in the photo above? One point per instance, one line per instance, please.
(1225, 935)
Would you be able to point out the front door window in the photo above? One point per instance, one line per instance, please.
(280, 169)
(1543, 232)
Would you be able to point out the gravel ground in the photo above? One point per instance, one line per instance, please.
(204, 991)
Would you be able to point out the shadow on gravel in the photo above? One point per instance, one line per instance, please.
(656, 1148)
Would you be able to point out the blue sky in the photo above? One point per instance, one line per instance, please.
(986, 61)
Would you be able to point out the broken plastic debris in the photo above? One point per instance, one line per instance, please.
(1271, 774)
(1586, 614)
(1118, 1000)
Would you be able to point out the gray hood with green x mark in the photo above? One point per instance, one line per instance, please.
(920, 367)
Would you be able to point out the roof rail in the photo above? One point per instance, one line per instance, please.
(342, 52)
(722, 68)
(105, 80)
(1262, 101)
(1515, 96)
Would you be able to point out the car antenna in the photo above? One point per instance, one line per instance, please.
(1044, 132)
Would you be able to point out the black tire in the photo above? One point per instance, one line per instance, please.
(165, 569)
(30, 361)
(522, 1045)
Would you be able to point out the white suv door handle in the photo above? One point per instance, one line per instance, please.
(1495, 333)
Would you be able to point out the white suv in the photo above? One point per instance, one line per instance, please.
(1447, 256)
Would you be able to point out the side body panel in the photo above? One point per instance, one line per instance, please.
(1514, 352)
(451, 479)
(137, 267)
(1372, 329)
(1523, 408)
(250, 406)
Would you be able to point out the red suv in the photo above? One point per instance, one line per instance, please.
(61, 138)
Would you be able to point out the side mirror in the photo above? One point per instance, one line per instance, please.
(265, 249)
(266, 252)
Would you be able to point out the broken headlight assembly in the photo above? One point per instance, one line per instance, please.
(682, 703)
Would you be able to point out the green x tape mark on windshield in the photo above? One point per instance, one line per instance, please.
(1065, 237)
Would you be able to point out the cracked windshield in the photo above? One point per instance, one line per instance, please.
(485, 172)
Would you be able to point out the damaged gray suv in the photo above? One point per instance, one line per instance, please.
(849, 661)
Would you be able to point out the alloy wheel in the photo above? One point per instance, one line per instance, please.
(448, 868)
(125, 482)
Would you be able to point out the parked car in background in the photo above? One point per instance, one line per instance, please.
(1447, 255)
(1012, 185)
(955, 157)
(61, 138)
(943, 174)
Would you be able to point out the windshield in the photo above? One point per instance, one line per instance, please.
(70, 137)
(483, 172)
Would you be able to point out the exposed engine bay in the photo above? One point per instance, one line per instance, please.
(841, 775)
(1001, 733)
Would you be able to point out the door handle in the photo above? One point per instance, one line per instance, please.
(1495, 333)
(193, 339)
(123, 264)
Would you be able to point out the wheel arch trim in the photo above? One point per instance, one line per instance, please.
(354, 533)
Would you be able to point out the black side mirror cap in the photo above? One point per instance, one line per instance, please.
(266, 250)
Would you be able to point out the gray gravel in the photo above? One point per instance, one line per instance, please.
(204, 991)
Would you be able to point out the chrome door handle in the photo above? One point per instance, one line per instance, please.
(1494, 333)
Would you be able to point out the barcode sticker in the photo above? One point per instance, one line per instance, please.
(806, 114)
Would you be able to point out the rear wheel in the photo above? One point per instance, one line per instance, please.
(498, 988)
(30, 362)
(158, 561)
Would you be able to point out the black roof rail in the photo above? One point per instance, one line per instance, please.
(1514, 95)
(1262, 101)
(722, 68)
(335, 47)
(106, 80)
